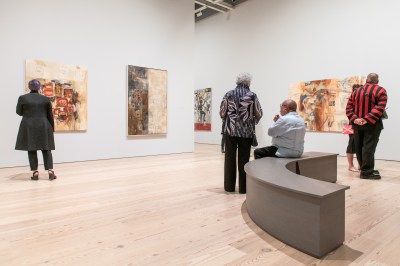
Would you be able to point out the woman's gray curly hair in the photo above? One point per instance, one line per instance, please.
(244, 78)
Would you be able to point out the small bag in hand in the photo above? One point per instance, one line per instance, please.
(348, 130)
(254, 143)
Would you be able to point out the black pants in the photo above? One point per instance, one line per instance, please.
(268, 151)
(366, 139)
(243, 146)
(47, 159)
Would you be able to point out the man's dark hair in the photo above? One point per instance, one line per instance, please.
(34, 85)
(291, 105)
(356, 86)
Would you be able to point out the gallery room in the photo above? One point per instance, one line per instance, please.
(135, 89)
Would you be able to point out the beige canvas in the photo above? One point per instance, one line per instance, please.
(66, 87)
(322, 103)
(147, 101)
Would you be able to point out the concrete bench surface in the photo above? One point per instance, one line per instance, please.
(280, 172)
(298, 209)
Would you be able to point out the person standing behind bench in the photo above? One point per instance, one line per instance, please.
(36, 129)
(287, 132)
(241, 110)
(365, 110)
(351, 146)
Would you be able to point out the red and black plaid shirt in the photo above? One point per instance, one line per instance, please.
(368, 102)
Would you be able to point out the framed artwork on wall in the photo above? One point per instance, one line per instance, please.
(322, 103)
(147, 101)
(66, 87)
(202, 109)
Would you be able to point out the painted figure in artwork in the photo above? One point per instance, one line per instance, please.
(202, 109)
(322, 102)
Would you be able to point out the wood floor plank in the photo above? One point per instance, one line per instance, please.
(172, 210)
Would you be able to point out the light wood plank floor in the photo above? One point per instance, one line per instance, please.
(172, 210)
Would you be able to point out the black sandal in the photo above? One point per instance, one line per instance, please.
(52, 176)
(35, 177)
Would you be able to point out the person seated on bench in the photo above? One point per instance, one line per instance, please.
(287, 132)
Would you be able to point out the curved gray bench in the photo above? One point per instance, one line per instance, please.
(298, 209)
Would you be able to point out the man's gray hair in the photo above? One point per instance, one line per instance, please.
(244, 78)
(373, 78)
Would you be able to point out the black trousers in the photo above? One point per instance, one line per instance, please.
(47, 160)
(234, 145)
(268, 151)
(366, 139)
(223, 142)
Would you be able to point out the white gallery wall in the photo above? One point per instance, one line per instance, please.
(281, 42)
(104, 36)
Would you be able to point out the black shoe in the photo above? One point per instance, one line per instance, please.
(35, 177)
(52, 176)
(375, 172)
(373, 176)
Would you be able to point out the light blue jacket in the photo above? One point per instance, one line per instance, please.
(288, 135)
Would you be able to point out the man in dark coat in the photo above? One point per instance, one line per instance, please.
(36, 128)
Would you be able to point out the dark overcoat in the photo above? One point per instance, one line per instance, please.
(37, 124)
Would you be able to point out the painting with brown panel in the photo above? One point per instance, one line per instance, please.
(147, 101)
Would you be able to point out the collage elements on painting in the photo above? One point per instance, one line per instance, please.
(66, 87)
(322, 103)
(147, 101)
